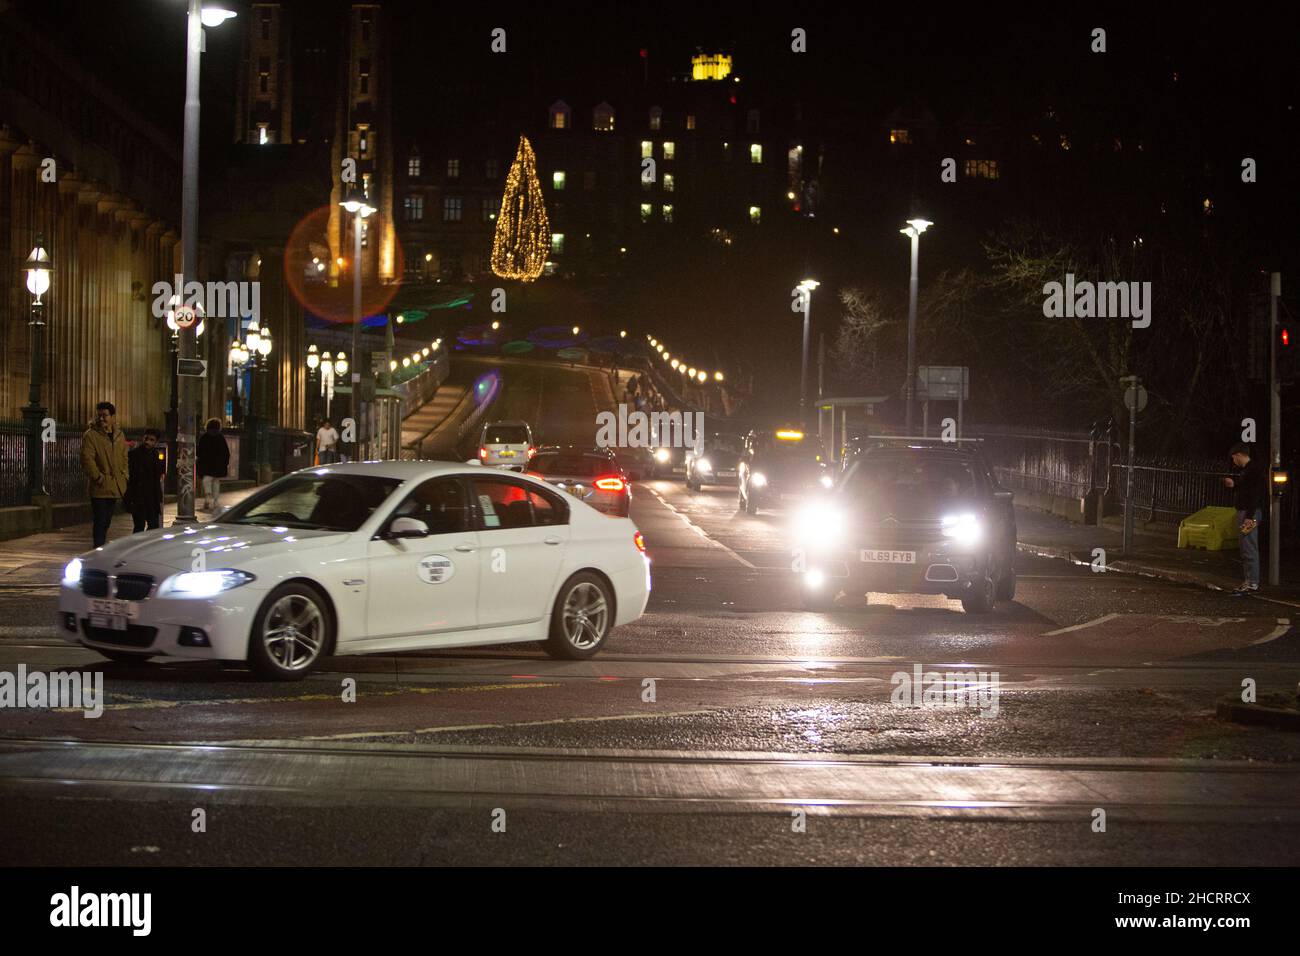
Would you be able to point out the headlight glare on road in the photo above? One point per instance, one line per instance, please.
(964, 529)
(758, 479)
(206, 583)
(72, 573)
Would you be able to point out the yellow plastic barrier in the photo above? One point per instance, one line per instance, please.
(1210, 528)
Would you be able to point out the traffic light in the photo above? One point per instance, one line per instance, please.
(1286, 352)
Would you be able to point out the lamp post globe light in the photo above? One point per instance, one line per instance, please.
(38, 268)
(313, 372)
(360, 210)
(263, 349)
(806, 288)
(327, 379)
(188, 398)
(913, 231)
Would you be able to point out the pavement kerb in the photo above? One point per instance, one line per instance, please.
(1124, 566)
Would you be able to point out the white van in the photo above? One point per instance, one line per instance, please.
(507, 444)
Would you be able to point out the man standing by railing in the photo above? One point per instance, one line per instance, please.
(1250, 487)
(103, 459)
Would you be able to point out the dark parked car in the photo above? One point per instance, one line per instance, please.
(914, 517)
(714, 460)
(778, 469)
(589, 474)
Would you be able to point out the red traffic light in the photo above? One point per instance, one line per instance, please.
(1286, 336)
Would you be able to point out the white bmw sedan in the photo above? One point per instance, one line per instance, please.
(364, 558)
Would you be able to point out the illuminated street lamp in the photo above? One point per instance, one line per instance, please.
(359, 210)
(38, 268)
(717, 376)
(313, 389)
(806, 289)
(913, 231)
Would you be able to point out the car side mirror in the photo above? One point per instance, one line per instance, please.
(405, 527)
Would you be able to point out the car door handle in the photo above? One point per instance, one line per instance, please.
(551, 541)
(466, 548)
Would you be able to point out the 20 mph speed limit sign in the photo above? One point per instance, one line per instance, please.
(185, 316)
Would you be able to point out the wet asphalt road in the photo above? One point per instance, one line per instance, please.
(1106, 689)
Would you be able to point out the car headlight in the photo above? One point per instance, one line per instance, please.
(964, 529)
(818, 522)
(72, 573)
(662, 455)
(827, 481)
(758, 479)
(704, 464)
(205, 583)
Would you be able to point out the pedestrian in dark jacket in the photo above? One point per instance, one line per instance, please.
(144, 494)
(1250, 490)
(214, 460)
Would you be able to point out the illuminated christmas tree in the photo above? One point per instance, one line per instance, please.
(523, 234)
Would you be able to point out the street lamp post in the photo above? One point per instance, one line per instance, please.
(313, 366)
(188, 388)
(914, 229)
(805, 301)
(360, 210)
(38, 267)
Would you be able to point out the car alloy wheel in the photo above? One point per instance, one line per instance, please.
(290, 633)
(582, 617)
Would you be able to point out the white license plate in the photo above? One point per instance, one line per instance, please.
(128, 610)
(726, 474)
(108, 621)
(889, 557)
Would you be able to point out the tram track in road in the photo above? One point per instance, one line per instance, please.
(649, 781)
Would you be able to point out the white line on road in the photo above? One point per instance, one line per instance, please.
(1283, 625)
(698, 530)
(1078, 627)
(527, 723)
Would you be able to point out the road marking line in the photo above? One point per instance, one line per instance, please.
(1078, 627)
(140, 703)
(701, 532)
(527, 723)
(1283, 625)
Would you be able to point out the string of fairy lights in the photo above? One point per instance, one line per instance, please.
(416, 357)
(522, 240)
(677, 365)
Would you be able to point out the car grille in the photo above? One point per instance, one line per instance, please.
(890, 533)
(135, 635)
(130, 587)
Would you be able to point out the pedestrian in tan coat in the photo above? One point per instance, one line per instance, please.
(103, 459)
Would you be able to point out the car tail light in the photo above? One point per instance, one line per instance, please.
(482, 453)
(531, 453)
(611, 483)
(639, 540)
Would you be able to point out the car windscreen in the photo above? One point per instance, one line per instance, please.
(505, 435)
(331, 502)
(720, 444)
(915, 475)
(574, 466)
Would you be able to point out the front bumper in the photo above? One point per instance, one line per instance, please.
(938, 569)
(225, 620)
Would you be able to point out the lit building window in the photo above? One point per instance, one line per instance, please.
(755, 152)
(363, 77)
(559, 115)
(656, 117)
(557, 243)
(264, 74)
(1207, 205)
(981, 168)
(451, 206)
(668, 212)
(491, 205)
(669, 183)
(670, 150)
(414, 208)
(589, 180)
(453, 169)
(755, 215)
(645, 212)
(365, 186)
(413, 167)
(558, 179)
(363, 138)
(715, 66)
(647, 149)
(490, 169)
(690, 121)
(900, 136)
(751, 121)
(263, 134)
(726, 152)
(602, 118)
